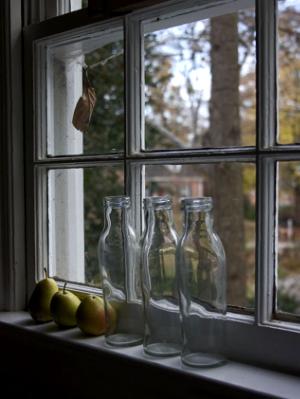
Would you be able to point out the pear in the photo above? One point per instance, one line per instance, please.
(112, 311)
(111, 318)
(39, 303)
(90, 316)
(63, 308)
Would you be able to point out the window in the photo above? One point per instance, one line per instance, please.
(185, 103)
(74, 190)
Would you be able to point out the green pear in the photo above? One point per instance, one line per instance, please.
(63, 308)
(90, 316)
(111, 318)
(39, 303)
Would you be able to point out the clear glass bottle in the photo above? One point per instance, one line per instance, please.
(162, 334)
(119, 261)
(201, 268)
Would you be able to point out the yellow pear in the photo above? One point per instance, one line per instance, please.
(91, 318)
(112, 312)
(39, 303)
(63, 308)
(111, 318)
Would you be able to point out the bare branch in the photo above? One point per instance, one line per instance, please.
(103, 62)
(167, 133)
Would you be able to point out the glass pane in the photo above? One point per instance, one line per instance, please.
(74, 5)
(289, 71)
(88, 76)
(288, 238)
(232, 187)
(76, 219)
(50, 9)
(78, 4)
(200, 83)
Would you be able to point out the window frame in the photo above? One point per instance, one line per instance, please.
(261, 331)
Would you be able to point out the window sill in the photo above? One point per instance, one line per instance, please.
(129, 367)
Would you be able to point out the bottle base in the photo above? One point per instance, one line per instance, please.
(203, 360)
(162, 349)
(124, 339)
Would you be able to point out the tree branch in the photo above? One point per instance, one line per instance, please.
(167, 133)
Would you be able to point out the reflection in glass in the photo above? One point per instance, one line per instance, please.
(76, 219)
(200, 83)
(289, 71)
(288, 238)
(232, 188)
(100, 59)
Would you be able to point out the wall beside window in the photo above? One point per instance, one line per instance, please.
(12, 189)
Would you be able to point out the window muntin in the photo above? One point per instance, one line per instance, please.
(234, 213)
(188, 69)
(92, 67)
(75, 214)
(289, 71)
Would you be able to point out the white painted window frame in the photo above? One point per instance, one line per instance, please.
(255, 338)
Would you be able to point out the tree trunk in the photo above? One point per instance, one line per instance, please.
(227, 179)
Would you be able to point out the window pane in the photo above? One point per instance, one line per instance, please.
(93, 69)
(289, 71)
(78, 4)
(38, 11)
(73, 5)
(288, 241)
(232, 187)
(200, 83)
(76, 219)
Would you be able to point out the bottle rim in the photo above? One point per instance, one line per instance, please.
(157, 201)
(116, 201)
(194, 203)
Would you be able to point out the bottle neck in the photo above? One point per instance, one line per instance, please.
(198, 221)
(160, 219)
(115, 218)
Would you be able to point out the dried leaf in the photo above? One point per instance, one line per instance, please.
(84, 107)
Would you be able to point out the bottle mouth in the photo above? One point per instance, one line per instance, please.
(197, 203)
(117, 201)
(158, 202)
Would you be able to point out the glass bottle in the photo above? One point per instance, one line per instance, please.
(119, 261)
(162, 334)
(201, 268)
